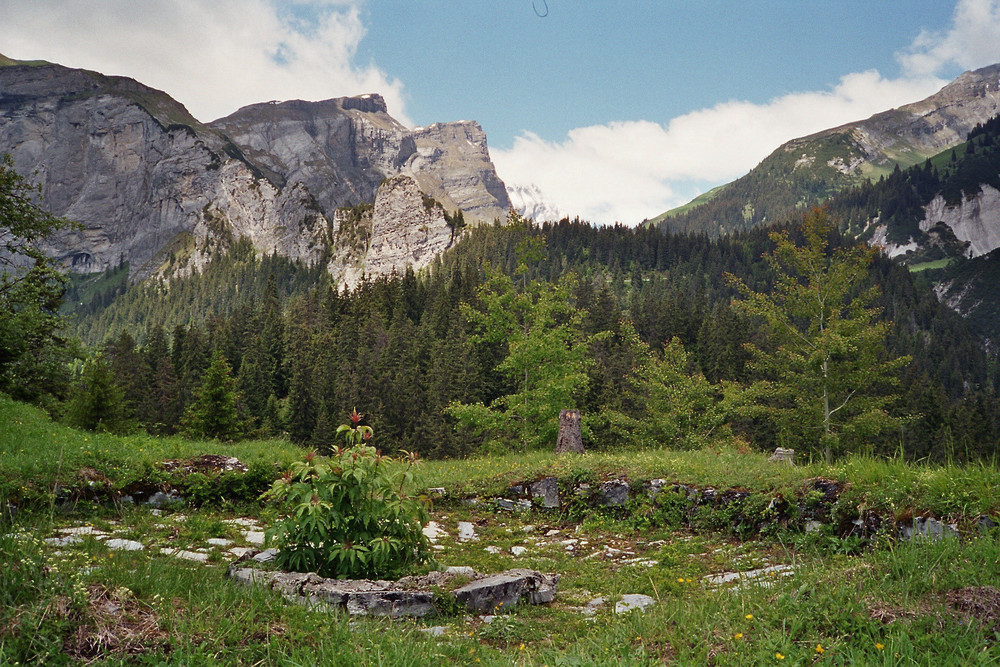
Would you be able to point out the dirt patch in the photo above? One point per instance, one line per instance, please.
(979, 602)
(206, 463)
(116, 624)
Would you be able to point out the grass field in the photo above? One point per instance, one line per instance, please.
(891, 603)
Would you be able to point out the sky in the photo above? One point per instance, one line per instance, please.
(607, 110)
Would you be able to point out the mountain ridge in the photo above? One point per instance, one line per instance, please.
(807, 170)
(159, 190)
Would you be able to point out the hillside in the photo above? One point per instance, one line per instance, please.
(735, 560)
(808, 170)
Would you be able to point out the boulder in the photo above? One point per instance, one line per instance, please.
(548, 490)
(613, 493)
(507, 589)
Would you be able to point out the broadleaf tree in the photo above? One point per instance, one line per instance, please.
(825, 378)
(33, 352)
(546, 360)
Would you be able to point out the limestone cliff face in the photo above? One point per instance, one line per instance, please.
(157, 189)
(975, 220)
(341, 149)
(452, 163)
(406, 229)
(150, 185)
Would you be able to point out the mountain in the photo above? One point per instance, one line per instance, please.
(163, 193)
(808, 170)
(341, 150)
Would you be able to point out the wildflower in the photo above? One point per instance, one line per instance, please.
(819, 648)
(521, 647)
(680, 580)
(879, 646)
(355, 417)
(738, 635)
(779, 656)
(749, 617)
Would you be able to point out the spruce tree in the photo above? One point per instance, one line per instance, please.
(213, 413)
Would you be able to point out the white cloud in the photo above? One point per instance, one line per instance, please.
(972, 41)
(213, 56)
(628, 171)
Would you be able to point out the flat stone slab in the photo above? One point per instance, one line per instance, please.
(124, 545)
(196, 556)
(408, 596)
(359, 598)
(507, 589)
(750, 575)
(466, 531)
(633, 602)
(254, 537)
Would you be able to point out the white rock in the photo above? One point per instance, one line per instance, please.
(634, 601)
(517, 551)
(218, 542)
(124, 545)
(466, 531)
(254, 537)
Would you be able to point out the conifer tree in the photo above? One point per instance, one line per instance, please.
(826, 377)
(213, 413)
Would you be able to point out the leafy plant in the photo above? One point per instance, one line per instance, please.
(350, 515)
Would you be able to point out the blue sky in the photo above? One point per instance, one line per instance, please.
(612, 111)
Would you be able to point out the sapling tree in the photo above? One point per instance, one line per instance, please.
(826, 378)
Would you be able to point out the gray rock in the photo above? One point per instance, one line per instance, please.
(195, 556)
(266, 556)
(613, 493)
(813, 526)
(434, 631)
(466, 531)
(783, 455)
(591, 608)
(985, 523)
(548, 490)
(505, 590)
(254, 537)
(461, 571)
(654, 486)
(218, 542)
(159, 500)
(124, 545)
(928, 528)
(633, 602)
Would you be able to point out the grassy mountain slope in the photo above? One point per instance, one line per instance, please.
(809, 170)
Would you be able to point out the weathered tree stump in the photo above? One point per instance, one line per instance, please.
(570, 433)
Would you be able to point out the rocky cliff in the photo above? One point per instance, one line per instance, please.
(342, 149)
(406, 228)
(151, 185)
(157, 189)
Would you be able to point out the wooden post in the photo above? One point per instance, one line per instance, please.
(570, 433)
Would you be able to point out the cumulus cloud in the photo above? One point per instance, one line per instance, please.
(628, 171)
(972, 41)
(214, 56)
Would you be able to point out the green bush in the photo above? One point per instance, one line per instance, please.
(350, 516)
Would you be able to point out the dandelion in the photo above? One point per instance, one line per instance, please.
(680, 580)
(779, 656)
(879, 646)
(749, 617)
(738, 635)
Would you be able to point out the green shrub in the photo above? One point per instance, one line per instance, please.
(350, 516)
